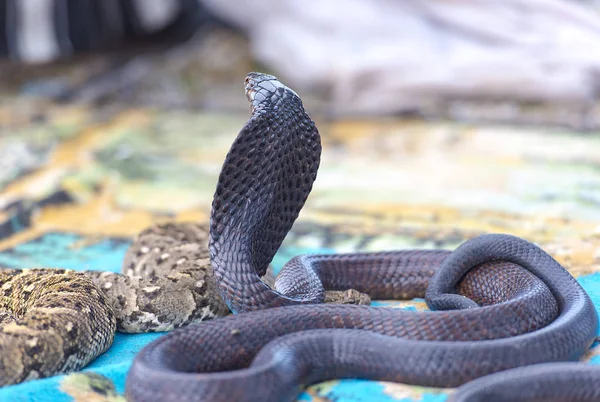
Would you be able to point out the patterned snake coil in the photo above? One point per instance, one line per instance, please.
(502, 302)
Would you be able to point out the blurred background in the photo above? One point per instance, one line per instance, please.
(515, 61)
(441, 120)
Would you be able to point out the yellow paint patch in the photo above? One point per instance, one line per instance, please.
(415, 394)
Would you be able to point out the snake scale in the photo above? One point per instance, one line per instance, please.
(504, 302)
(51, 321)
(55, 321)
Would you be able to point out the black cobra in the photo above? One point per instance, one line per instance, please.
(506, 302)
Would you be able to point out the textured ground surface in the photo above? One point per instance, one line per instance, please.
(76, 185)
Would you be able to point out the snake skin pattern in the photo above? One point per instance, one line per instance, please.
(517, 306)
(56, 321)
(167, 280)
(51, 321)
(557, 382)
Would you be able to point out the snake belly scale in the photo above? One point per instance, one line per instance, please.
(503, 302)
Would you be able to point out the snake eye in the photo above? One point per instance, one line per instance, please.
(247, 80)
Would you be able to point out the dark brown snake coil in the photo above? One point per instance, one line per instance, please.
(506, 303)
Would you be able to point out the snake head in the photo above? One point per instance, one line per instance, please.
(264, 90)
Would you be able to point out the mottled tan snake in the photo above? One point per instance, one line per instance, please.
(55, 321)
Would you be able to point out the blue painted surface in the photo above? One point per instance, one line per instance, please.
(60, 250)
(367, 391)
(45, 390)
(591, 284)
(361, 391)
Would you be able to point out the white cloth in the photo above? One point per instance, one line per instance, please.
(385, 56)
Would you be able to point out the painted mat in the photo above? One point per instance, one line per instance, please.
(76, 187)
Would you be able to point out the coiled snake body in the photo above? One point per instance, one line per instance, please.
(51, 321)
(55, 321)
(506, 303)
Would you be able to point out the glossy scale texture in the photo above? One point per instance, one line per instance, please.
(518, 306)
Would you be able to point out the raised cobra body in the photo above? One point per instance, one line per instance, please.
(508, 303)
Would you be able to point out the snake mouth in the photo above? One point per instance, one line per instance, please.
(250, 88)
